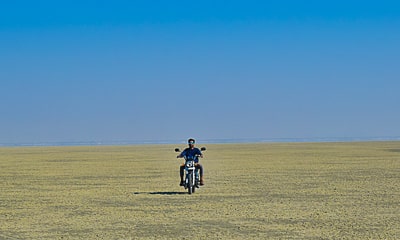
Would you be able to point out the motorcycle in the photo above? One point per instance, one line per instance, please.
(192, 178)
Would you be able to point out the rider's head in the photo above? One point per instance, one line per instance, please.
(191, 142)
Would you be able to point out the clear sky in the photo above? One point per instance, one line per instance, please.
(166, 70)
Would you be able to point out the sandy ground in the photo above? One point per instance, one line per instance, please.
(252, 191)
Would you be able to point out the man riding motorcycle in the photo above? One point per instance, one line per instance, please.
(191, 151)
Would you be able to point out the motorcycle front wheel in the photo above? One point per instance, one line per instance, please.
(190, 184)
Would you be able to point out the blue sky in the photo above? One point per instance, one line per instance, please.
(169, 70)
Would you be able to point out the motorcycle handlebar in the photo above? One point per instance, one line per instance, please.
(184, 157)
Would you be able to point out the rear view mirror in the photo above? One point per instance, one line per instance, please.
(177, 150)
(203, 149)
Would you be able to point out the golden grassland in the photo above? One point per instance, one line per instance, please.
(252, 191)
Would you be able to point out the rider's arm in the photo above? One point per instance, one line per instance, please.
(182, 154)
(200, 153)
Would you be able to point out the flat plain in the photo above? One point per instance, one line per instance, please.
(345, 190)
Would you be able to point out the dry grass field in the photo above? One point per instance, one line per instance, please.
(252, 191)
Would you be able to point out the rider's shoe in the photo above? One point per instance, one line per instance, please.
(201, 182)
(181, 183)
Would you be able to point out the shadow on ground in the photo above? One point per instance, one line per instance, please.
(160, 193)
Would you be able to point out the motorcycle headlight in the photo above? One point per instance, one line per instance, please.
(189, 164)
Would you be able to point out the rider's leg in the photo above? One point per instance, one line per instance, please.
(199, 166)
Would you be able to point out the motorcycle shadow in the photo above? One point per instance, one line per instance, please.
(161, 193)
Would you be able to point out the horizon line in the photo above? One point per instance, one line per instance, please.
(203, 141)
